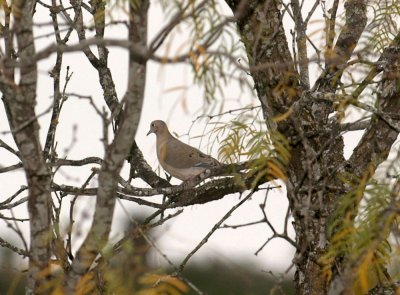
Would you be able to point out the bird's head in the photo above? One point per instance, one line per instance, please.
(158, 127)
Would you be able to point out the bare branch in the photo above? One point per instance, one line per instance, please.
(382, 133)
(336, 59)
(8, 148)
(208, 235)
(10, 199)
(301, 41)
(330, 30)
(115, 156)
(4, 243)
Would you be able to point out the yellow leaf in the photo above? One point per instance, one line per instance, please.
(201, 49)
(342, 234)
(276, 171)
(149, 279)
(58, 290)
(162, 284)
(85, 285)
(195, 60)
(177, 283)
(147, 292)
(283, 116)
(363, 271)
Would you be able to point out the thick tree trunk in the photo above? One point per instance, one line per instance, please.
(317, 160)
(20, 101)
(317, 167)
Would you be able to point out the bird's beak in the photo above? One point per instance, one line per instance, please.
(150, 131)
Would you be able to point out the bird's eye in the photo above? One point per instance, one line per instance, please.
(152, 124)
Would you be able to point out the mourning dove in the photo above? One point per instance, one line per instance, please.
(177, 158)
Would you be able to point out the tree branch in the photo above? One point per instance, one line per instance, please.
(20, 101)
(116, 153)
(381, 134)
(335, 60)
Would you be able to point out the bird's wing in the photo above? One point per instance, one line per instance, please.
(180, 155)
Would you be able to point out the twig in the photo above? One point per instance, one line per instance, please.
(8, 148)
(215, 227)
(330, 31)
(10, 199)
(4, 243)
(68, 247)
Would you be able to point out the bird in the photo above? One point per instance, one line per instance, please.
(179, 159)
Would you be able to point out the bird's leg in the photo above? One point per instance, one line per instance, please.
(192, 179)
(203, 175)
